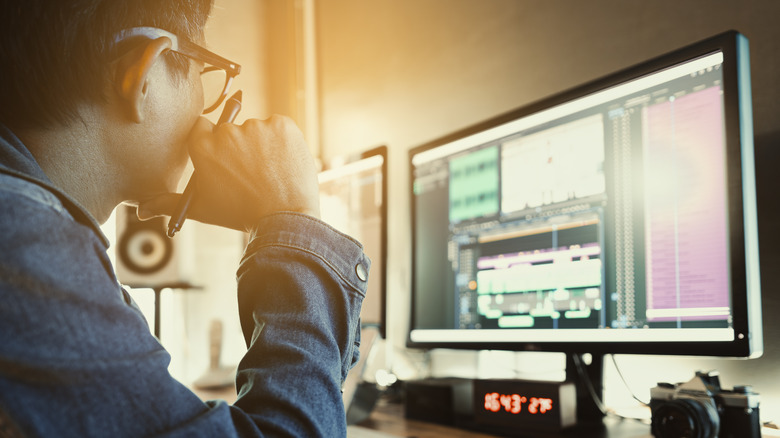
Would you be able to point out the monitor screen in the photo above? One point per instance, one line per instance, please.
(619, 216)
(353, 199)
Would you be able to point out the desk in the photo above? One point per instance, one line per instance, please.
(388, 420)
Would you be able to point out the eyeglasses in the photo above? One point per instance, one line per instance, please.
(216, 76)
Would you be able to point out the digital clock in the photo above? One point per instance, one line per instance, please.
(523, 403)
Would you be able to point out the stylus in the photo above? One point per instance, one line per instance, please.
(232, 107)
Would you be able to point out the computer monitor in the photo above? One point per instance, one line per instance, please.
(353, 199)
(616, 217)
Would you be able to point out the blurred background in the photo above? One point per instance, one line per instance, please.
(356, 74)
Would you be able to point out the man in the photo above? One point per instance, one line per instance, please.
(101, 103)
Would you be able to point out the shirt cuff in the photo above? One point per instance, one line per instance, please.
(295, 230)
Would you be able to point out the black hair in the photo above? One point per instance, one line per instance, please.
(55, 54)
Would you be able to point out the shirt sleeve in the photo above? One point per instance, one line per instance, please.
(301, 284)
(76, 359)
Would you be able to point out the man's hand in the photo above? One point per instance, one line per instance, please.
(245, 172)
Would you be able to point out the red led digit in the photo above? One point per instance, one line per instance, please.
(545, 404)
(506, 402)
(491, 402)
(533, 407)
(517, 403)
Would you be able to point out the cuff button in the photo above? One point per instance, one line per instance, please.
(361, 272)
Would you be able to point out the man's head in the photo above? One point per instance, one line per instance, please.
(106, 113)
(55, 55)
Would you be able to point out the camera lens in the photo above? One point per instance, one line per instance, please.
(685, 418)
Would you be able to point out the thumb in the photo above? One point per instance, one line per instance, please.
(162, 205)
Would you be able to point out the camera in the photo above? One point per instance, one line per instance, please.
(699, 408)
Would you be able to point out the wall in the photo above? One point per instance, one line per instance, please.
(402, 72)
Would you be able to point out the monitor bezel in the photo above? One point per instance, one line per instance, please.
(743, 232)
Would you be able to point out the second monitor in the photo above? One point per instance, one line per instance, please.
(353, 199)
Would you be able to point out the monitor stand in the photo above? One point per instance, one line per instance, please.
(588, 379)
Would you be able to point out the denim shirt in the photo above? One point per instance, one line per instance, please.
(76, 355)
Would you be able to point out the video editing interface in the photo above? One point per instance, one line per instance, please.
(608, 211)
(351, 198)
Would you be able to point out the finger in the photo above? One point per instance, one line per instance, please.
(202, 126)
(163, 205)
(200, 132)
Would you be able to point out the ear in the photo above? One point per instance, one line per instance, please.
(132, 75)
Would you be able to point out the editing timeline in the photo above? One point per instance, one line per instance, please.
(527, 216)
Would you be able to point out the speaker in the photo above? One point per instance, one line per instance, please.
(145, 256)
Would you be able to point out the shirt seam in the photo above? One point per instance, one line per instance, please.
(308, 218)
(257, 247)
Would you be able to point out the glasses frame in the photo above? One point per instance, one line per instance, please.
(190, 50)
